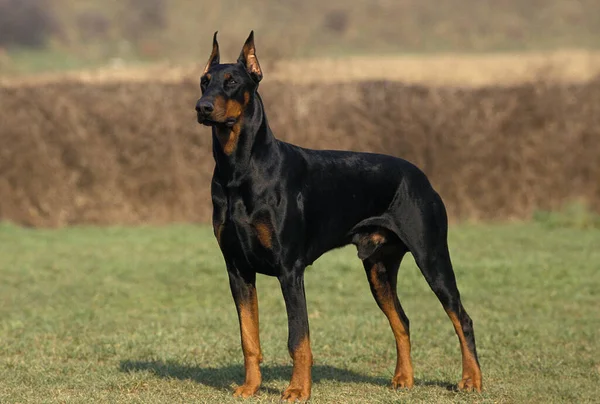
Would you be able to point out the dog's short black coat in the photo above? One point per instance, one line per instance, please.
(278, 207)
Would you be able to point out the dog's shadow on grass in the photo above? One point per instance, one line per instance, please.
(221, 378)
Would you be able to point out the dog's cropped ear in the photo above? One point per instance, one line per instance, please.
(214, 55)
(248, 58)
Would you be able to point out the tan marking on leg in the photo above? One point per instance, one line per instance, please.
(471, 374)
(403, 375)
(265, 234)
(248, 316)
(301, 382)
(218, 229)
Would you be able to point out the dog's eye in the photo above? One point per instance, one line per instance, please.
(204, 81)
(231, 82)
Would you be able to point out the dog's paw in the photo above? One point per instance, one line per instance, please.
(294, 394)
(245, 391)
(470, 383)
(402, 382)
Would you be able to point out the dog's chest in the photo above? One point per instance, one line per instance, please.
(248, 237)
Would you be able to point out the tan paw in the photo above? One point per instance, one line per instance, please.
(245, 391)
(294, 394)
(402, 382)
(470, 383)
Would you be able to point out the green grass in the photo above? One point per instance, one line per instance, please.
(575, 214)
(144, 315)
(42, 61)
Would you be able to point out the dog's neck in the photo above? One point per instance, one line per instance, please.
(250, 138)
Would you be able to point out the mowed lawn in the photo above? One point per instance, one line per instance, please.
(126, 315)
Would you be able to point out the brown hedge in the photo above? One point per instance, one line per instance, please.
(130, 153)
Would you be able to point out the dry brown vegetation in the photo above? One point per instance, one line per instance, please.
(131, 152)
(436, 69)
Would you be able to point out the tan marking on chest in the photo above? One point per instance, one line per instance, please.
(264, 234)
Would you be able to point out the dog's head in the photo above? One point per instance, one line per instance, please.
(227, 88)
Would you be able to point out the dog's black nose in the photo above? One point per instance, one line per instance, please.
(204, 107)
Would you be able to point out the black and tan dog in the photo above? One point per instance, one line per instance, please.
(278, 207)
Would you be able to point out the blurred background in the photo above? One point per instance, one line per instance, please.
(498, 101)
(38, 35)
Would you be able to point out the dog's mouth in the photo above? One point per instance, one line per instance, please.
(207, 121)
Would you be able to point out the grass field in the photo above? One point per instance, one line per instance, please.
(144, 315)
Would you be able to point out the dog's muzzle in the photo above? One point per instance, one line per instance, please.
(204, 109)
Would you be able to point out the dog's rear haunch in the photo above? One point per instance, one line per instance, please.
(278, 207)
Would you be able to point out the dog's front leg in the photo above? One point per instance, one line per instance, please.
(244, 294)
(292, 286)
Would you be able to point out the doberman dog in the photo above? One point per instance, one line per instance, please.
(278, 207)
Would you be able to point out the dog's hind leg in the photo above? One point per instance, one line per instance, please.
(437, 269)
(429, 247)
(382, 270)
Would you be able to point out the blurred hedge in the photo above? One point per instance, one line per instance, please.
(133, 153)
